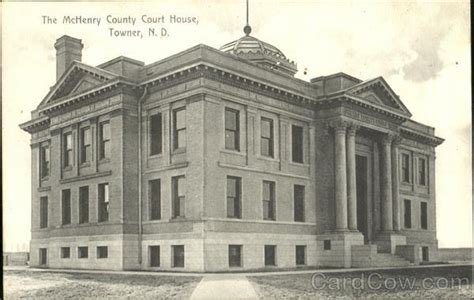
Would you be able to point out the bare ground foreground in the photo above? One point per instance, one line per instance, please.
(52, 285)
(450, 282)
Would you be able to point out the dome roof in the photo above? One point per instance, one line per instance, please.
(260, 52)
(249, 44)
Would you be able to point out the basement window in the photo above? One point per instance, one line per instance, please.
(82, 252)
(327, 244)
(102, 252)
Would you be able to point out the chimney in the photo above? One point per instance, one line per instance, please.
(68, 49)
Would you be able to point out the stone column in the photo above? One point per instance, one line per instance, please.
(395, 180)
(386, 201)
(340, 175)
(351, 178)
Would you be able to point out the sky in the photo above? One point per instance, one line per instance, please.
(422, 49)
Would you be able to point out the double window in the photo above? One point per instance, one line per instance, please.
(179, 128)
(179, 196)
(156, 134)
(234, 191)
(155, 199)
(83, 204)
(103, 202)
(232, 129)
(85, 146)
(66, 207)
(266, 137)
(268, 200)
(44, 161)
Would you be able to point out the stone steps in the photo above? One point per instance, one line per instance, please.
(367, 256)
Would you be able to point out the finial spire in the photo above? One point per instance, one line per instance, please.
(247, 28)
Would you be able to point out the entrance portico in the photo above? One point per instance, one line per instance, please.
(347, 164)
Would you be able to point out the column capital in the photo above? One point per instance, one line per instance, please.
(352, 128)
(396, 141)
(339, 125)
(388, 138)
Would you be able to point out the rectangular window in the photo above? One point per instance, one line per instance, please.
(179, 128)
(234, 197)
(102, 252)
(268, 200)
(235, 255)
(179, 196)
(103, 202)
(300, 252)
(43, 212)
(298, 198)
(425, 256)
(232, 130)
(421, 171)
(266, 137)
(66, 207)
(178, 256)
(297, 143)
(424, 215)
(156, 134)
(43, 256)
(154, 252)
(86, 150)
(327, 245)
(44, 161)
(104, 140)
(270, 254)
(405, 167)
(407, 213)
(82, 252)
(65, 252)
(155, 199)
(83, 204)
(68, 150)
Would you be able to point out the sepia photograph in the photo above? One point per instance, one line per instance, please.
(241, 149)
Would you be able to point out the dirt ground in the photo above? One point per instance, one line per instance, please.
(50, 285)
(450, 282)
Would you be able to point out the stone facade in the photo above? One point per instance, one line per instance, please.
(345, 159)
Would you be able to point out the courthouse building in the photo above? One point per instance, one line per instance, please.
(222, 160)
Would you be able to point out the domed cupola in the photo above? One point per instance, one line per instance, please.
(260, 52)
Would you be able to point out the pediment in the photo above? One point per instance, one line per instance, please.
(378, 91)
(77, 79)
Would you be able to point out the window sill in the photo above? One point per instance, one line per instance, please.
(45, 178)
(179, 150)
(85, 164)
(297, 164)
(268, 158)
(234, 152)
(155, 156)
(104, 161)
(68, 168)
(178, 219)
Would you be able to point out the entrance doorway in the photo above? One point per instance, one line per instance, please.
(361, 183)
